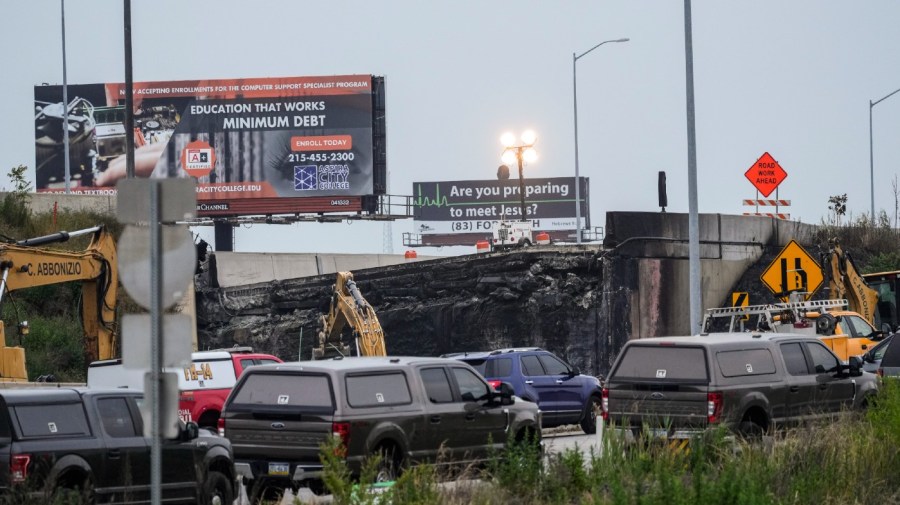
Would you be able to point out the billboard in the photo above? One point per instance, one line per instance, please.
(472, 209)
(255, 146)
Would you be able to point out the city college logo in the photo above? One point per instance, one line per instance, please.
(306, 178)
(198, 158)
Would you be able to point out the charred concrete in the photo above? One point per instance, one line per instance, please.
(580, 302)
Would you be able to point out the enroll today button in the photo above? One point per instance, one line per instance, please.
(322, 143)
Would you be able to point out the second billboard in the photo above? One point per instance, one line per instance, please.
(475, 207)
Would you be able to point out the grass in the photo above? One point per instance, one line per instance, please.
(851, 459)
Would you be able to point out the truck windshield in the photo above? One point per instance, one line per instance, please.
(662, 363)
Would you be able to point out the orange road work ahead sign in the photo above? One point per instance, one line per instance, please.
(766, 174)
(793, 270)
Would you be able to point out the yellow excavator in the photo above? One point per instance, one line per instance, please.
(24, 264)
(349, 309)
(845, 282)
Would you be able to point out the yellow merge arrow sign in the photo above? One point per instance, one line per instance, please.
(793, 270)
(741, 299)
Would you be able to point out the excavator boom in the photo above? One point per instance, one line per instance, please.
(349, 308)
(846, 282)
(24, 265)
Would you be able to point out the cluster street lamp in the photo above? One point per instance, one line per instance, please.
(519, 152)
(575, 58)
(871, 160)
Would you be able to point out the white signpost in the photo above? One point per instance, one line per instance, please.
(156, 262)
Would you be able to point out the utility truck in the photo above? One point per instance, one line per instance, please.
(508, 234)
(843, 331)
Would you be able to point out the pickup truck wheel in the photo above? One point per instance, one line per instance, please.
(530, 440)
(265, 491)
(591, 411)
(217, 490)
(81, 494)
(390, 466)
(74, 488)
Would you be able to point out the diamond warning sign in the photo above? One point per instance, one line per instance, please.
(793, 270)
(766, 174)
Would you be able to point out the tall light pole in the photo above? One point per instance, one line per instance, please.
(871, 157)
(575, 58)
(519, 152)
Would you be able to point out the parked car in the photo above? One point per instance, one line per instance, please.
(748, 382)
(57, 441)
(890, 360)
(872, 357)
(563, 394)
(203, 385)
(406, 409)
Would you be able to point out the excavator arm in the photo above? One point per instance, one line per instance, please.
(349, 309)
(846, 282)
(25, 264)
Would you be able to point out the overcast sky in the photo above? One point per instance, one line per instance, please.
(792, 78)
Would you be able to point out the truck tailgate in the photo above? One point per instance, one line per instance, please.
(635, 405)
(291, 437)
(660, 386)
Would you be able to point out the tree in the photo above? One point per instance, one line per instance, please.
(837, 204)
(14, 206)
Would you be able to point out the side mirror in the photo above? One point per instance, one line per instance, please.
(574, 371)
(190, 431)
(855, 366)
(506, 393)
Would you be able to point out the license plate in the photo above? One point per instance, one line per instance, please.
(659, 432)
(279, 468)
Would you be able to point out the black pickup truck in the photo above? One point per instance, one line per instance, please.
(61, 441)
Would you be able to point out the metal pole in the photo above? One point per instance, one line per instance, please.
(871, 167)
(577, 185)
(575, 57)
(129, 97)
(68, 170)
(156, 344)
(521, 180)
(693, 219)
(871, 162)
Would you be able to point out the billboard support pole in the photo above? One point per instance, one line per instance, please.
(129, 97)
(65, 126)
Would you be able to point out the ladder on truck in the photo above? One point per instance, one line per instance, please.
(787, 317)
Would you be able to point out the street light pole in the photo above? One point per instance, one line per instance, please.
(521, 181)
(522, 152)
(575, 58)
(871, 156)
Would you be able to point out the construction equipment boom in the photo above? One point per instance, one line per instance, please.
(845, 282)
(24, 265)
(349, 309)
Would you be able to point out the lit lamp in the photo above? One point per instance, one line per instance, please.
(519, 153)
